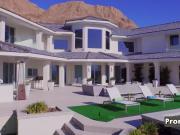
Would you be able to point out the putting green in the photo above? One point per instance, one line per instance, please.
(109, 112)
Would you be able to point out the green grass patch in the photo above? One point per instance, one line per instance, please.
(108, 112)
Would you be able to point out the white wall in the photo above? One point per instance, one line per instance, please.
(154, 43)
(25, 37)
(35, 64)
(42, 124)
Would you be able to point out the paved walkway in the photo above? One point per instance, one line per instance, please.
(66, 96)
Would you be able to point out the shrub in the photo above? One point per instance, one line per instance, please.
(164, 76)
(89, 79)
(39, 107)
(136, 132)
(149, 129)
(112, 78)
(138, 72)
(146, 129)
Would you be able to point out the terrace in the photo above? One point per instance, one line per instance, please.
(99, 118)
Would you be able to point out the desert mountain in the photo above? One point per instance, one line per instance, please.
(22, 7)
(59, 13)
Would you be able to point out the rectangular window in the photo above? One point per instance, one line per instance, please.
(9, 34)
(174, 40)
(79, 38)
(94, 38)
(61, 44)
(107, 40)
(129, 46)
(32, 72)
(9, 73)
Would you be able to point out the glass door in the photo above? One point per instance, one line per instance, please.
(78, 74)
(55, 74)
(96, 74)
(9, 73)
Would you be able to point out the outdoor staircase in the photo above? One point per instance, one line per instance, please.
(75, 127)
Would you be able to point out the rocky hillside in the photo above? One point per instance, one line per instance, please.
(23, 7)
(59, 13)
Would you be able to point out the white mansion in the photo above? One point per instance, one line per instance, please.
(87, 49)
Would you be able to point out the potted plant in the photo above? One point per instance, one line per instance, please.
(50, 85)
(112, 81)
(89, 81)
(45, 119)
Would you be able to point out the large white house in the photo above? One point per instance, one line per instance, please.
(84, 49)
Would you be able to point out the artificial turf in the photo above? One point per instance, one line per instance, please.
(108, 112)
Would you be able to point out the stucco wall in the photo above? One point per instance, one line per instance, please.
(25, 37)
(154, 43)
(42, 124)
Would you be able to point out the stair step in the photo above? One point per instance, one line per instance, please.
(71, 130)
(92, 128)
(59, 132)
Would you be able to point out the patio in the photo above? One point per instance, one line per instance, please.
(71, 96)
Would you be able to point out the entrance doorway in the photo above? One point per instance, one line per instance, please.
(78, 74)
(96, 74)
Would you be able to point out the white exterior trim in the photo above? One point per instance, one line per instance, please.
(91, 21)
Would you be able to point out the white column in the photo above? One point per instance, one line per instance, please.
(49, 43)
(2, 29)
(111, 70)
(46, 74)
(69, 74)
(157, 71)
(103, 74)
(85, 39)
(72, 43)
(39, 40)
(61, 75)
(128, 72)
(86, 72)
(21, 72)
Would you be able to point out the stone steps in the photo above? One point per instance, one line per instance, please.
(59, 132)
(85, 124)
(69, 129)
(77, 127)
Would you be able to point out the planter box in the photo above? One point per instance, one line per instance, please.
(43, 123)
(92, 90)
(112, 82)
(89, 82)
(6, 93)
(50, 86)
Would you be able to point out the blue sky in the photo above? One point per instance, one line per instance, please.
(142, 12)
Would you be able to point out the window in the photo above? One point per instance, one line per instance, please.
(174, 40)
(79, 38)
(107, 40)
(94, 38)
(129, 46)
(61, 44)
(32, 72)
(9, 34)
(9, 73)
(122, 48)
